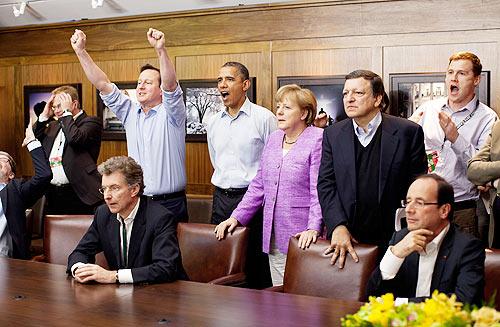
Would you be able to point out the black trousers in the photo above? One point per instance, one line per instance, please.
(62, 200)
(177, 205)
(496, 217)
(257, 265)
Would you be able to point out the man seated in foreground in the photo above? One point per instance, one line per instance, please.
(137, 235)
(431, 254)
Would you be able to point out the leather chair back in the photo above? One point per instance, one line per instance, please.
(206, 259)
(61, 236)
(309, 272)
(492, 276)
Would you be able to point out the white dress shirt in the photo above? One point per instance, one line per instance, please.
(235, 144)
(366, 137)
(390, 264)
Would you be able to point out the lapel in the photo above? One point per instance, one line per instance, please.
(3, 198)
(388, 145)
(347, 157)
(114, 237)
(442, 257)
(138, 230)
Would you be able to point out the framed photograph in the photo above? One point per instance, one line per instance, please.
(409, 91)
(112, 127)
(202, 101)
(328, 91)
(36, 97)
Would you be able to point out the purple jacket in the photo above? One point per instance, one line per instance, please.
(286, 187)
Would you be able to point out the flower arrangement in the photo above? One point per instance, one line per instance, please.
(439, 310)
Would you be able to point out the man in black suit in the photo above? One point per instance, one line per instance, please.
(137, 235)
(368, 162)
(73, 141)
(431, 254)
(16, 196)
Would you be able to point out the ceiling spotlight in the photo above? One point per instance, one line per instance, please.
(20, 11)
(97, 3)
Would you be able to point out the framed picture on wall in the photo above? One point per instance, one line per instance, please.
(409, 91)
(203, 101)
(112, 127)
(328, 92)
(36, 96)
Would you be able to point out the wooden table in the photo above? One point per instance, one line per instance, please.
(40, 294)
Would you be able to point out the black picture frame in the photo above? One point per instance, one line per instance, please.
(409, 90)
(327, 89)
(112, 127)
(202, 100)
(35, 95)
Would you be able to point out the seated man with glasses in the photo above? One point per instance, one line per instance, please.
(137, 235)
(431, 253)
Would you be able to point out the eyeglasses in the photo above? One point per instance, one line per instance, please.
(417, 203)
(112, 189)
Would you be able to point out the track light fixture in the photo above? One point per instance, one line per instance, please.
(18, 12)
(97, 3)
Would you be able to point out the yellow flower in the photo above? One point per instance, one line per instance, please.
(485, 317)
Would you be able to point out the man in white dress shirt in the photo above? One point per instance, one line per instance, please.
(431, 254)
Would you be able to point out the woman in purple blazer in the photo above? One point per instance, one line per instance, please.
(285, 184)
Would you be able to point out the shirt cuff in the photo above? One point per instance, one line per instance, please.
(171, 92)
(400, 300)
(390, 264)
(461, 145)
(75, 266)
(125, 276)
(42, 118)
(33, 145)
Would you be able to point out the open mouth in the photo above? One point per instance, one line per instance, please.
(224, 94)
(454, 89)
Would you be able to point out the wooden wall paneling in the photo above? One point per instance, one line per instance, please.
(295, 21)
(7, 111)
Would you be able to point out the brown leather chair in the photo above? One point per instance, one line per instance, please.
(207, 260)
(492, 276)
(309, 272)
(61, 236)
(199, 208)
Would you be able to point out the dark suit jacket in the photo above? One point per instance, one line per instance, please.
(459, 269)
(81, 149)
(17, 196)
(154, 254)
(402, 156)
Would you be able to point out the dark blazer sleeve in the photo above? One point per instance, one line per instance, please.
(418, 159)
(165, 263)
(89, 245)
(34, 188)
(85, 135)
(328, 196)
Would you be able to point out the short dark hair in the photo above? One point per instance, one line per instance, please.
(241, 69)
(445, 193)
(130, 169)
(477, 68)
(376, 83)
(150, 67)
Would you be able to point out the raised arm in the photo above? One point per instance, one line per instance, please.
(95, 75)
(167, 71)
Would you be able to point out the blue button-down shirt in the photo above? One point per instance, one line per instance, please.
(365, 137)
(156, 140)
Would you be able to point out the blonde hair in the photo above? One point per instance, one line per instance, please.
(303, 97)
(69, 90)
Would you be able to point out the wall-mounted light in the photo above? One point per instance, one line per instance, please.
(97, 3)
(18, 12)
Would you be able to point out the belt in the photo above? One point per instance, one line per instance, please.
(232, 191)
(167, 196)
(467, 204)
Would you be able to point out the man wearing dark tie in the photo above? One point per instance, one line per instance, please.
(136, 234)
(431, 253)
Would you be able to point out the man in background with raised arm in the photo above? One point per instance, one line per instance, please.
(155, 127)
(72, 140)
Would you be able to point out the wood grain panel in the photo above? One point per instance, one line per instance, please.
(198, 168)
(279, 22)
